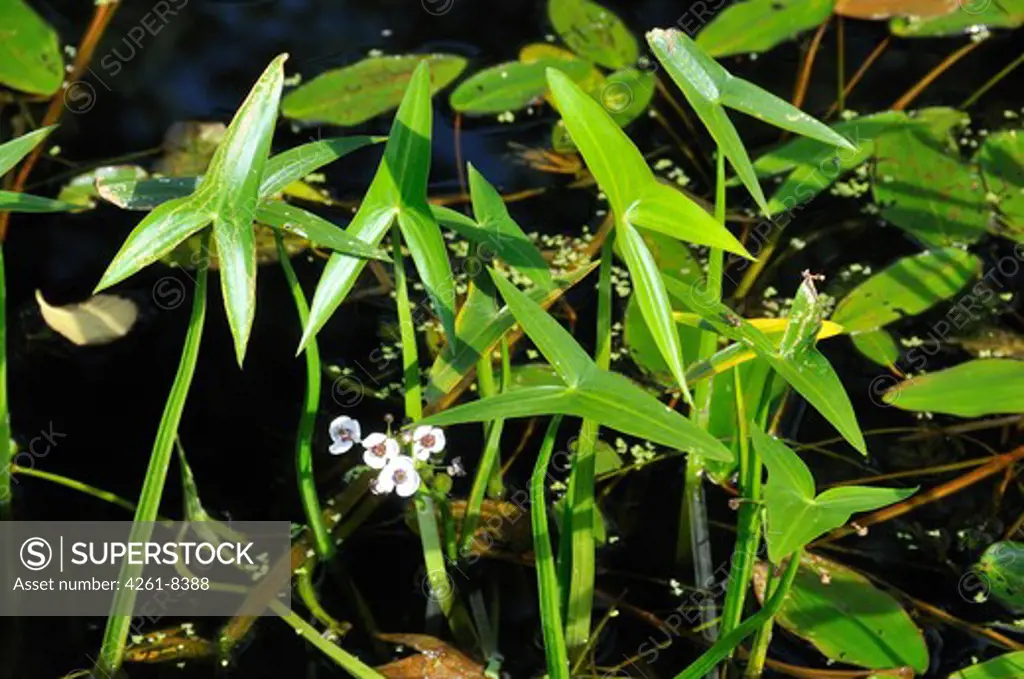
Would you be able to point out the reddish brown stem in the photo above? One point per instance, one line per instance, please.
(804, 79)
(871, 59)
(910, 95)
(100, 20)
(997, 465)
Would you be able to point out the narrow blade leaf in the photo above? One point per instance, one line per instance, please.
(156, 235)
(294, 164)
(566, 356)
(14, 150)
(652, 298)
(809, 373)
(662, 208)
(230, 189)
(316, 229)
(503, 234)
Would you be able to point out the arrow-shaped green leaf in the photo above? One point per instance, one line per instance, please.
(795, 515)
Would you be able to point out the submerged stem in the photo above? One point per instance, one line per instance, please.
(693, 541)
(748, 524)
(310, 405)
(407, 332)
(576, 568)
(119, 620)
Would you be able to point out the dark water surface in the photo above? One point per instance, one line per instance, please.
(238, 426)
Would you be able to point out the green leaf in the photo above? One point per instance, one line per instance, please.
(616, 163)
(746, 97)
(709, 88)
(1008, 666)
(924, 187)
(400, 185)
(316, 229)
(664, 209)
(11, 201)
(479, 329)
(811, 166)
(30, 57)
(429, 253)
(229, 195)
(804, 320)
(609, 398)
(907, 287)
(502, 234)
(356, 93)
(847, 618)
(593, 32)
(623, 174)
(645, 352)
(985, 386)
(652, 298)
(296, 163)
(569, 360)
(1002, 568)
(965, 20)
(877, 345)
(809, 373)
(627, 94)
(549, 594)
(145, 194)
(281, 171)
(795, 516)
(81, 189)
(13, 150)
(590, 393)
(156, 235)
(1001, 159)
(759, 25)
(511, 86)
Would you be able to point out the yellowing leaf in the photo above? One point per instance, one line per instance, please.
(101, 319)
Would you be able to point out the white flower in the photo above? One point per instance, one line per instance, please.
(399, 476)
(345, 433)
(426, 441)
(379, 450)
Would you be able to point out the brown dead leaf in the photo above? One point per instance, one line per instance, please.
(501, 524)
(886, 9)
(435, 660)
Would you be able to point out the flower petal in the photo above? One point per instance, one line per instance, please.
(409, 486)
(420, 452)
(374, 439)
(439, 440)
(374, 461)
(344, 427)
(421, 431)
(383, 484)
(340, 447)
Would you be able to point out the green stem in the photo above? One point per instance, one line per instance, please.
(763, 636)
(725, 645)
(692, 544)
(748, 524)
(407, 332)
(441, 586)
(310, 405)
(489, 466)
(97, 493)
(119, 621)
(547, 581)
(578, 521)
(345, 660)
